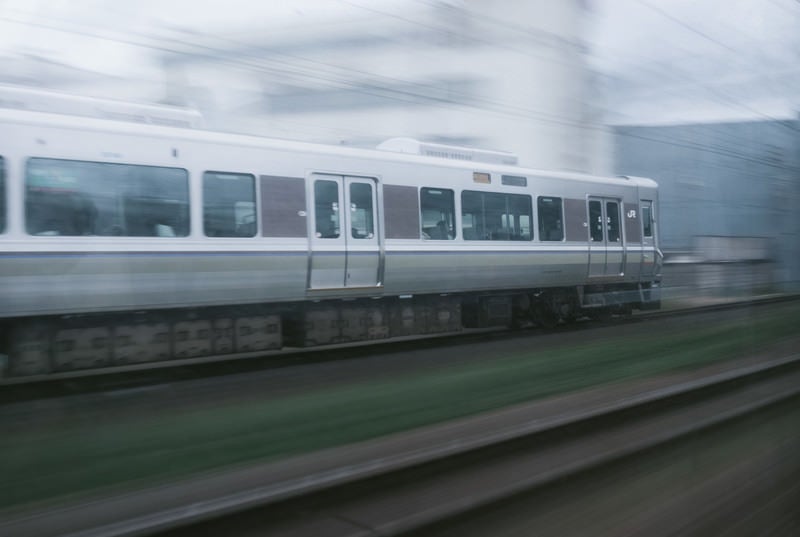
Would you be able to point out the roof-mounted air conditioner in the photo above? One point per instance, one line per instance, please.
(415, 147)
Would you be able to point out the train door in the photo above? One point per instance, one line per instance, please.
(345, 247)
(606, 246)
(648, 239)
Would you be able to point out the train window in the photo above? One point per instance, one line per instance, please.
(326, 209)
(647, 218)
(67, 197)
(514, 180)
(596, 221)
(361, 213)
(551, 218)
(2, 195)
(612, 214)
(496, 217)
(229, 204)
(438, 213)
(525, 225)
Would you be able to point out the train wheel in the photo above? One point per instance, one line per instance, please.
(602, 314)
(544, 316)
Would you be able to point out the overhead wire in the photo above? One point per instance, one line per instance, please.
(537, 114)
(389, 92)
(721, 97)
(288, 69)
(677, 142)
(704, 35)
(724, 97)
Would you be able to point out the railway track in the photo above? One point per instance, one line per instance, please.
(16, 389)
(422, 479)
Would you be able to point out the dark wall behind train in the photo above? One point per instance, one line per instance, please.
(738, 179)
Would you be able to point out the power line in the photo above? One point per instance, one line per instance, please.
(786, 8)
(344, 79)
(465, 38)
(405, 97)
(506, 25)
(494, 105)
(688, 27)
(708, 149)
(721, 97)
(715, 41)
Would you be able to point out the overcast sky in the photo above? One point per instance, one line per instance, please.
(702, 59)
(707, 59)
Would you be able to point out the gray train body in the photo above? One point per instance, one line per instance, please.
(112, 238)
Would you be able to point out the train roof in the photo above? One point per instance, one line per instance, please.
(176, 134)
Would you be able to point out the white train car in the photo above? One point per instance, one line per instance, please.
(125, 242)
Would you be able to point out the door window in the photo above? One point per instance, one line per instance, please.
(612, 218)
(361, 214)
(596, 221)
(647, 218)
(326, 209)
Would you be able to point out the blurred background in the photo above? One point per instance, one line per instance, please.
(701, 96)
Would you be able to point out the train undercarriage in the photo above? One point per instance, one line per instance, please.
(45, 345)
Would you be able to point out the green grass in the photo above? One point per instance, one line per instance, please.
(81, 458)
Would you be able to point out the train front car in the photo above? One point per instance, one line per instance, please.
(126, 243)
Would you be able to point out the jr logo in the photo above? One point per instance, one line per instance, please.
(632, 213)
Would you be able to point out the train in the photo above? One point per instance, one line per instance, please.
(140, 239)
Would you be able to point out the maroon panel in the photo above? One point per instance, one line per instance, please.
(633, 223)
(283, 206)
(575, 224)
(401, 210)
